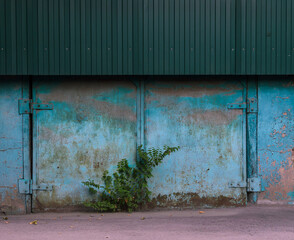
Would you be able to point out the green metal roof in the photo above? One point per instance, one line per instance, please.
(146, 37)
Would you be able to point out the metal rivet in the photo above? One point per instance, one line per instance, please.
(39, 186)
(130, 49)
(24, 49)
(251, 180)
(88, 49)
(46, 187)
(251, 109)
(25, 101)
(243, 49)
(150, 49)
(171, 49)
(231, 105)
(109, 49)
(26, 191)
(191, 49)
(66, 49)
(2, 49)
(39, 106)
(26, 111)
(273, 49)
(233, 49)
(251, 189)
(45, 49)
(239, 105)
(26, 182)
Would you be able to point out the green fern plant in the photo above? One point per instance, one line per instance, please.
(127, 188)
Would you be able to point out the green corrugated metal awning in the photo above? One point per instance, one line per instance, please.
(146, 37)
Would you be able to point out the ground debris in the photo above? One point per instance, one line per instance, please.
(35, 222)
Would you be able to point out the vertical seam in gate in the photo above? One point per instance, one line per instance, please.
(26, 140)
(142, 120)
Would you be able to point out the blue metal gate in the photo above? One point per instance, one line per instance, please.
(96, 122)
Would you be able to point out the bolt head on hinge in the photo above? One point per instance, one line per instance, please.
(236, 106)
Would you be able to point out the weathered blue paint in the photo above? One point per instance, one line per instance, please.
(98, 121)
(94, 124)
(13, 149)
(193, 114)
(276, 138)
(92, 127)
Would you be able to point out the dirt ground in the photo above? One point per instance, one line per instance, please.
(255, 222)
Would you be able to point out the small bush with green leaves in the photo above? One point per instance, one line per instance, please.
(127, 188)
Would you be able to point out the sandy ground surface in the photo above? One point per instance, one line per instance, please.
(255, 222)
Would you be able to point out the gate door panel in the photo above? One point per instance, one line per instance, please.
(209, 169)
(91, 127)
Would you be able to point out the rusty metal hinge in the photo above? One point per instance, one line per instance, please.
(26, 106)
(236, 105)
(251, 185)
(252, 105)
(26, 186)
(254, 184)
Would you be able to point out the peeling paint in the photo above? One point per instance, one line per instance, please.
(276, 139)
(92, 127)
(194, 115)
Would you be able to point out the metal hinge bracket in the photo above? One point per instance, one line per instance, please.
(25, 186)
(237, 184)
(254, 184)
(252, 105)
(26, 106)
(237, 106)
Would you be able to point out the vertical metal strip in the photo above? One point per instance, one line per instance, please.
(142, 116)
(172, 37)
(140, 112)
(252, 121)
(46, 37)
(151, 39)
(26, 141)
(35, 142)
(244, 138)
(72, 32)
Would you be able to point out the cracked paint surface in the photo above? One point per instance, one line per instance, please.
(276, 139)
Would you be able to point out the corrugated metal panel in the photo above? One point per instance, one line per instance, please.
(146, 37)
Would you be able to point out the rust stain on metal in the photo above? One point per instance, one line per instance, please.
(213, 117)
(12, 203)
(194, 89)
(191, 200)
(281, 186)
(85, 97)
